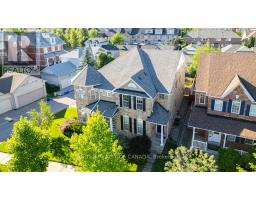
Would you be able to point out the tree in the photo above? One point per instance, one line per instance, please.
(228, 159)
(102, 59)
(247, 162)
(59, 32)
(117, 39)
(206, 48)
(190, 160)
(44, 118)
(29, 145)
(251, 42)
(93, 33)
(67, 36)
(87, 58)
(73, 38)
(82, 36)
(97, 150)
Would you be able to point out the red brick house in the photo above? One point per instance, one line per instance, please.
(224, 114)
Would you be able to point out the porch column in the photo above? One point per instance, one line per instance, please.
(224, 143)
(193, 136)
(162, 135)
(111, 124)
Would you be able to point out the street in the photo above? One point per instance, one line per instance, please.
(56, 104)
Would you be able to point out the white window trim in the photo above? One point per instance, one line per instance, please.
(231, 136)
(239, 106)
(215, 108)
(141, 99)
(202, 95)
(250, 113)
(123, 100)
(124, 124)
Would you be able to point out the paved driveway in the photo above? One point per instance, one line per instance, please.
(56, 105)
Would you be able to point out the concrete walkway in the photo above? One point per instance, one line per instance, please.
(52, 167)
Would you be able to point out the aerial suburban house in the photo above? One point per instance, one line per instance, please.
(60, 74)
(234, 48)
(17, 90)
(73, 56)
(97, 45)
(138, 93)
(35, 48)
(216, 37)
(224, 114)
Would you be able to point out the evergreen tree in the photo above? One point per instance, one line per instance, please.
(117, 39)
(93, 33)
(73, 38)
(103, 59)
(87, 58)
(82, 36)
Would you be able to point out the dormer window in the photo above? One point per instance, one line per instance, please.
(236, 106)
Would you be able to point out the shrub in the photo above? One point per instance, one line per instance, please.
(60, 149)
(138, 149)
(50, 88)
(228, 159)
(73, 128)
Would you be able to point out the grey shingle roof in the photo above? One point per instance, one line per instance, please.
(75, 53)
(200, 119)
(159, 115)
(109, 47)
(233, 48)
(106, 108)
(133, 93)
(212, 33)
(60, 69)
(6, 84)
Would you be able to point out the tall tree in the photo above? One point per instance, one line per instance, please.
(82, 36)
(59, 32)
(117, 39)
(67, 36)
(29, 145)
(97, 150)
(44, 117)
(102, 59)
(206, 48)
(251, 42)
(190, 160)
(73, 38)
(87, 58)
(93, 33)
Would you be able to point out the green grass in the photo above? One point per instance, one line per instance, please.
(67, 113)
(4, 146)
(3, 168)
(158, 165)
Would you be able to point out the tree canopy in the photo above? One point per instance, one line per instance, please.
(29, 145)
(87, 58)
(102, 59)
(206, 48)
(190, 160)
(97, 150)
(117, 39)
(93, 33)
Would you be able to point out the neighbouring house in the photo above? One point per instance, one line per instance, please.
(138, 93)
(216, 37)
(73, 56)
(34, 48)
(17, 90)
(224, 114)
(97, 45)
(60, 74)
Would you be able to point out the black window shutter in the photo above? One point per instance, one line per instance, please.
(130, 102)
(121, 100)
(247, 109)
(134, 103)
(212, 104)
(122, 123)
(224, 106)
(144, 128)
(144, 104)
(130, 123)
(242, 108)
(229, 105)
(135, 125)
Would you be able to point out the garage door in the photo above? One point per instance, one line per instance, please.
(5, 106)
(30, 97)
(65, 83)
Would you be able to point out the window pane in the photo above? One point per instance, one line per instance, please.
(235, 107)
(252, 110)
(231, 138)
(126, 122)
(218, 105)
(126, 101)
(139, 126)
(139, 103)
(202, 99)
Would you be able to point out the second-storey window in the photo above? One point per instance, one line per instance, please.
(202, 99)
(161, 96)
(218, 105)
(93, 93)
(126, 101)
(126, 122)
(236, 107)
(252, 110)
(139, 126)
(139, 103)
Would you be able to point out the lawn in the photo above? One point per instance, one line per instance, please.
(158, 165)
(60, 149)
(3, 168)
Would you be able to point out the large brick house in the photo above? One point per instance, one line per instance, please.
(224, 114)
(34, 48)
(138, 93)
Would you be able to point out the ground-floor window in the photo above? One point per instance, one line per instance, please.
(231, 138)
(126, 122)
(139, 126)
